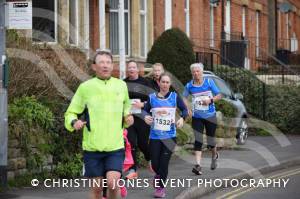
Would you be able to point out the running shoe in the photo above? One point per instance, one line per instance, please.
(160, 192)
(214, 162)
(197, 169)
(123, 191)
(132, 174)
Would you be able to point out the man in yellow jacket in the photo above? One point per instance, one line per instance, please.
(105, 103)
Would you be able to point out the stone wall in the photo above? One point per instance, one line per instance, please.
(17, 161)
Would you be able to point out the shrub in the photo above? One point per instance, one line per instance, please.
(183, 135)
(71, 168)
(225, 113)
(30, 111)
(283, 107)
(31, 123)
(174, 50)
(244, 82)
(227, 109)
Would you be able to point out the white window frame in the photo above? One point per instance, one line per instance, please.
(102, 25)
(128, 13)
(227, 20)
(87, 24)
(144, 13)
(187, 17)
(211, 26)
(294, 43)
(55, 26)
(76, 43)
(257, 42)
(244, 20)
(168, 14)
(279, 24)
(287, 25)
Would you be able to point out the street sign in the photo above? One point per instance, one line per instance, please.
(20, 15)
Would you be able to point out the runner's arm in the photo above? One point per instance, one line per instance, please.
(215, 91)
(147, 108)
(182, 107)
(75, 108)
(185, 95)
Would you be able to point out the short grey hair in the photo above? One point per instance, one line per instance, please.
(197, 65)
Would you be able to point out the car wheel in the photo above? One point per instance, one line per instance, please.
(242, 132)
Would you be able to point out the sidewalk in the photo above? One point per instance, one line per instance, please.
(263, 153)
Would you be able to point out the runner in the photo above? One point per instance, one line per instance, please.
(157, 70)
(138, 133)
(163, 129)
(204, 93)
(105, 101)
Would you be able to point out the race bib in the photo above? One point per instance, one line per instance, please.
(163, 118)
(133, 109)
(198, 103)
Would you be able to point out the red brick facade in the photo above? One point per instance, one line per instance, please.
(286, 32)
(200, 24)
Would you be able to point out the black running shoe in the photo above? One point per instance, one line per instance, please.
(197, 170)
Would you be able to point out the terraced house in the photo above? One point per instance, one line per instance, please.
(244, 33)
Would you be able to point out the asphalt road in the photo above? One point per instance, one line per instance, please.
(281, 184)
(258, 152)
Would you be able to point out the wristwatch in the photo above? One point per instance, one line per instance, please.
(212, 100)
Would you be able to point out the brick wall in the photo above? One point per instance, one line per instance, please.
(158, 17)
(94, 24)
(294, 25)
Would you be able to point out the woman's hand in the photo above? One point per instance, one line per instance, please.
(148, 119)
(179, 123)
(206, 102)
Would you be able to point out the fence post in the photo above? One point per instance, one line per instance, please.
(197, 57)
(264, 101)
(211, 62)
(282, 74)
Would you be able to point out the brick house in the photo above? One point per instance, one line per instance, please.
(93, 24)
(251, 20)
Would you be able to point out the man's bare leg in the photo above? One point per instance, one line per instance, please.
(96, 190)
(112, 179)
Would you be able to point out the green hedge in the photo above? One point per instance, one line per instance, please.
(245, 82)
(30, 111)
(35, 125)
(175, 51)
(281, 102)
(283, 108)
(32, 124)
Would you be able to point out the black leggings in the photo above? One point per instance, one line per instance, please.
(161, 151)
(210, 125)
(138, 136)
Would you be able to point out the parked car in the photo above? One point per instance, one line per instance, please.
(234, 99)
